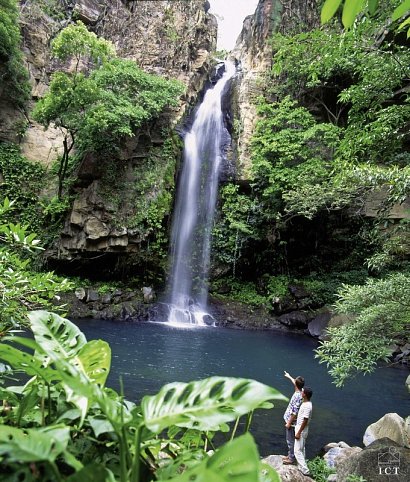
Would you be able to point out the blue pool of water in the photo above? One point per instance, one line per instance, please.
(147, 356)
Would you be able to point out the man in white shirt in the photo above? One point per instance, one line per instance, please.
(302, 428)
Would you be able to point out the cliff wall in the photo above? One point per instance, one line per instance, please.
(116, 202)
(254, 55)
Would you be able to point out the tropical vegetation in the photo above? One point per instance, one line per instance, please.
(96, 107)
(332, 135)
(331, 139)
(63, 424)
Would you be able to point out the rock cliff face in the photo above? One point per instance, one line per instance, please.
(174, 39)
(253, 53)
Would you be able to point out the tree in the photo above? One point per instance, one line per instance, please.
(96, 108)
(380, 312)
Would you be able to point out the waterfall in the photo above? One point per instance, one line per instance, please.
(195, 206)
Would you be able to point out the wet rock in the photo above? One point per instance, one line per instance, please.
(148, 293)
(319, 324)
(106, 299)
(295, 319)
(92, 296)
(80, 294)
(298, 291)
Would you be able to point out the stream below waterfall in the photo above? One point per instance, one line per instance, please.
(149, 355)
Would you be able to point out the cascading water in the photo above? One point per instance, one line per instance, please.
(195, 206)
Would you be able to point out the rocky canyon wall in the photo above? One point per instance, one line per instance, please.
(254, 55)
(113, 198)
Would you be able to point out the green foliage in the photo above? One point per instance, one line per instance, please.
(21, 288)
(352, 8)
(319, 469)
(206, 404)
(75, 41)
(289, 148)
(245, 292)
(106, 437)
(234, 226)
(14, 76)
(367, 79)
(244, 465)
(21, 180)
(98, 108)
(380, 311)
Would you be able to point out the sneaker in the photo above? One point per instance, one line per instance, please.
(288, 461)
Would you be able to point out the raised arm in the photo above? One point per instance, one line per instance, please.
(286, 374)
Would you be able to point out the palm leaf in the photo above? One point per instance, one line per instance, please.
(204, 404)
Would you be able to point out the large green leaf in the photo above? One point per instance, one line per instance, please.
(82, 366)
(204, 404)
(26, 362)
(33, 445)
(401, 10)
(55, 334)
(236, 461)
(329, 9)
(92, 473)
(372, 4)
(95, 360)
(350, 10)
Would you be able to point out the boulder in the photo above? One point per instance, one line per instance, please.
(298, 291)
(294, 319)
(92, 296)
(392, 426)
(336, 455)
(408, 383)
(88, 11)
(319, 324)
(287, 473)
(383, 460)
(80, 294)
(148, 293)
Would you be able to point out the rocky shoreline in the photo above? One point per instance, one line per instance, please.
(296, 314)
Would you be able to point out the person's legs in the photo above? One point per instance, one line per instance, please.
(300, 454)
(290, 440)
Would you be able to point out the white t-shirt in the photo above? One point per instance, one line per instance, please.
(305, 411)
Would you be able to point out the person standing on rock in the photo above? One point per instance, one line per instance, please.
(290, 416)
(301, 429)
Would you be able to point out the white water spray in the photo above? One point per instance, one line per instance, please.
(195, 206)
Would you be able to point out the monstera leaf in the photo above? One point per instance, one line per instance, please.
(92, 473)
(94, 358)
(55, 334)
(33, 445)
(26, 362)
(82, 366)
(236, 461)
(204, 404)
